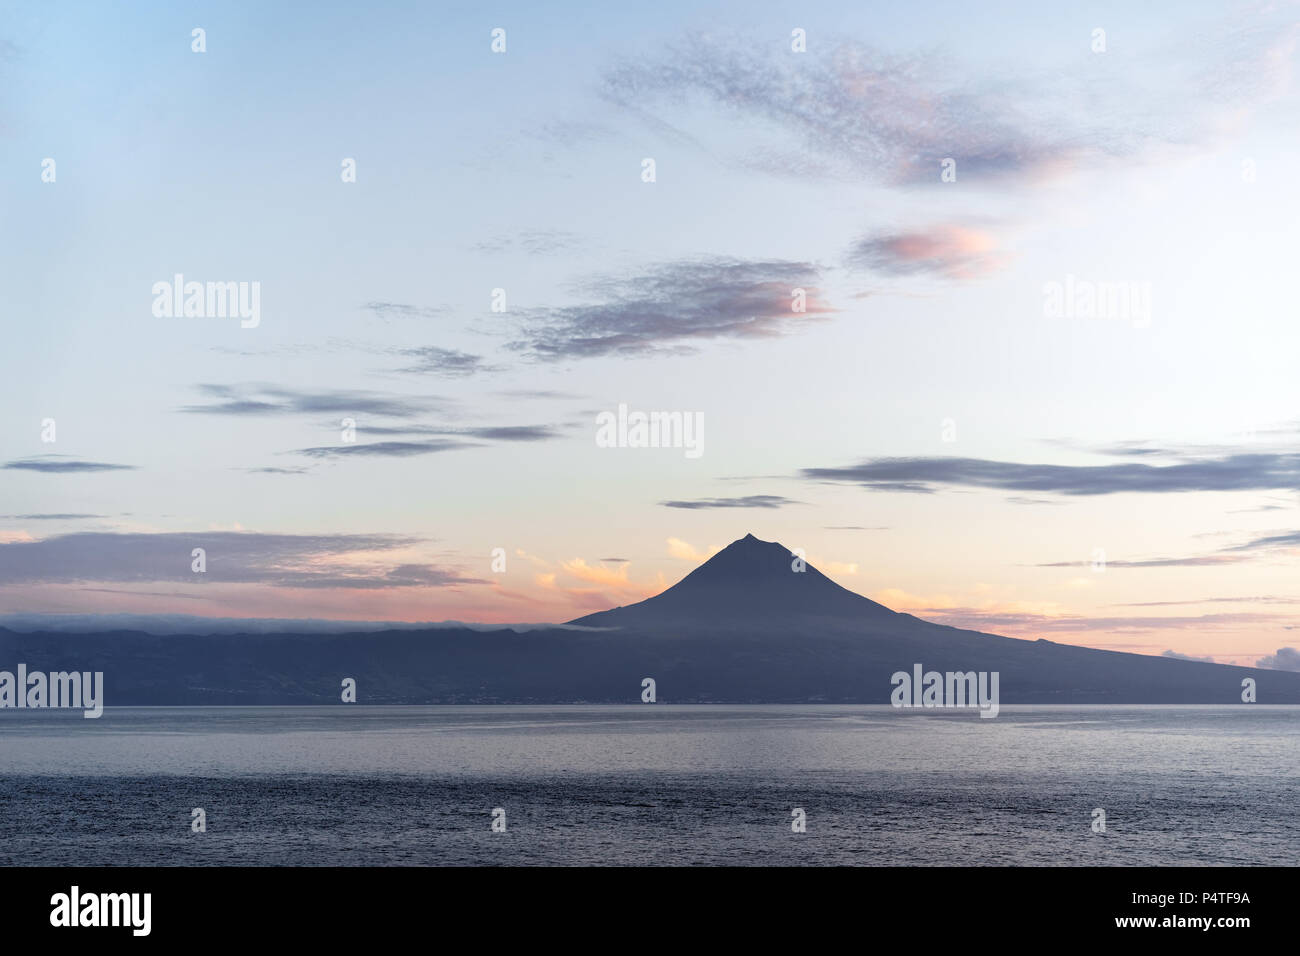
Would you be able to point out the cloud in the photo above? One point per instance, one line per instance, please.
(748, 501)
(1187, 657)
(1240, 472)
(1232, 554)
(1289, 539)
(251, 399)
(1286, 659)
(537, 393)
(170, 595)
(685, 551)
(1194, 561)
(1251, 60)
(615, 580)
(49, 517)
(1133, 449)
(953, 252)
(1264, 599)
(272, 470)
(673, 307)
(432, 360)
(413, 575)
(853, 111)
(277, 560)
(236, 407)
(606, 577)
(62, 464)
(512, 433)
(385, 449)
(401, 310)
(485, 432)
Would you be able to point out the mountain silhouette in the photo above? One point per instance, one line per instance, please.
(748, 583)
(744, 627)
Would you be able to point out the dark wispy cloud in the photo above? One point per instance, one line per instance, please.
(953, 252)
(486, 433)
(49, 517)
(274, 470)
(431, 360)
(1231, 554)
(1193, 561)
(257, 400)
(673, 308)
(384, 449)
(135, 593)
(63, 464)
(1287, 539)
(1286, 659)
(1133, 449)
(539, 393)
(237, 407)
(512, 433)
(279, 560)
(748, 501)
(1261, 599)
(1239, 472)
(401, 310)
(850, 111)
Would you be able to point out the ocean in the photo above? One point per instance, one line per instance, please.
(651, 784)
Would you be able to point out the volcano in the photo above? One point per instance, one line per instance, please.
(748, 584)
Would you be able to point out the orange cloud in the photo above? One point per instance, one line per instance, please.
(957, 252)
(684, 551)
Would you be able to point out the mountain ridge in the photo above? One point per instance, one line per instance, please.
(744, 627)
(747, 581)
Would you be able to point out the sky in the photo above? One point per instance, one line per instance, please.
(1043, 382)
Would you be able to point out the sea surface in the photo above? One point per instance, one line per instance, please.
(651, 784)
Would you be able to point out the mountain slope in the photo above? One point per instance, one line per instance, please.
(748, 583)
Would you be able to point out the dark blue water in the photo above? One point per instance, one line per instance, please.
(651, 784)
